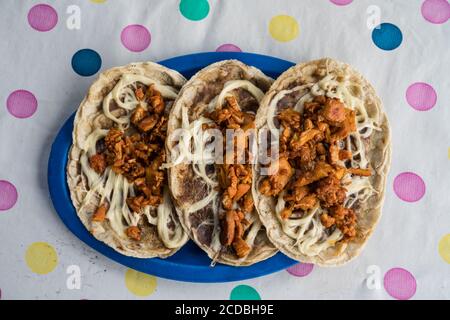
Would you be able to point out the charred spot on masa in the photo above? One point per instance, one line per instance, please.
(200, 216)
(100, 146)
(204, 234)
(246, 100)
(192, 189)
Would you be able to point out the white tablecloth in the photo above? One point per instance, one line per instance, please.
(409, 254)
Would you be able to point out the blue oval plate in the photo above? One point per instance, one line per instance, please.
(190, 263)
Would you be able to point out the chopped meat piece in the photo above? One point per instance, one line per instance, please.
(232, 102)
(322, 126)
(304, 137)
(247, 203)
(305, 156)
(243, 173)
(241, 190)
(135, 203)
(327, 220)
(139, 94)
(340, 172)
(306, 203)
(228, 226)
(330, 192)
(114, 135)
(345, 221)
(134, 233)
(138, 115)
(360, 172)
(231, 189)
(334, 154)
(345, 154)
(298, 193)
(311, 107)
(286, 213)
(308, 125)
(321, 170)
(285, 136)
(320, 148)
(241, 247)
(98, 163)
(221, 115)
(249, 122)
(280, 172)
(334, 111)
(346, 127)
(290, 118)
(157, 103)
(265, 187)
(222, 176)
(148, 123)
(100, 214)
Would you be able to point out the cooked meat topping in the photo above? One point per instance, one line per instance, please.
(100, 214)
(311, 163)
(280, 172)
(330, 192)
(138, 153)
(234, 179)
(98, 163)
(134, 233)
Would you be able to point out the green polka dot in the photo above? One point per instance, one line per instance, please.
(194, 9)
(244, 292)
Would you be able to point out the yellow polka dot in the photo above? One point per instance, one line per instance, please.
(139, 283)
(98, 1)
(41, 257)
(283, 28)
(448, 153)
(444, 248)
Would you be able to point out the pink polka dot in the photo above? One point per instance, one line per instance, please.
(21, 104)
(301, 269)
(42, 17)
(8, 195)
(400, 283)
(341, 2)
(421, 96)
(436, 11)
(135, 37)
(228, 47)
(409, 187)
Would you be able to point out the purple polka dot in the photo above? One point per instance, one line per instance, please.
(228, 47)
(409, 187)
(21, 104)
(421, 96)
(436, 11)
(341, 2)
(42, 17)
(301, 269)
(400, 283)
(8, 195)
(135, 37)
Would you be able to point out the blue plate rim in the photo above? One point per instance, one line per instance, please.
(164, 268)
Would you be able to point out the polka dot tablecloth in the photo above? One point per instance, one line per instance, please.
(57, 48)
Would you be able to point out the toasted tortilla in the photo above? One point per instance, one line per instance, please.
(91, 117)
(377, 148)
(188, 188)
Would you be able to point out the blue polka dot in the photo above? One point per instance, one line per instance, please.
(387, 36)
(86, 62)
